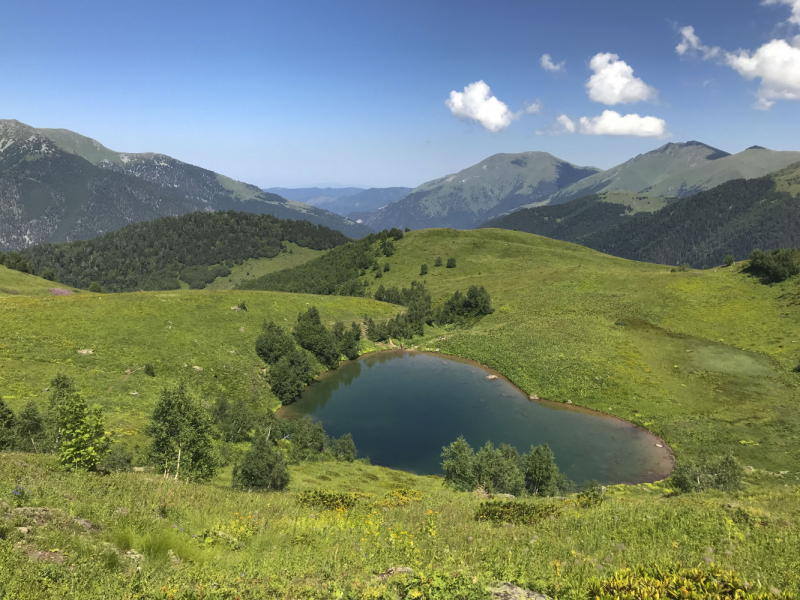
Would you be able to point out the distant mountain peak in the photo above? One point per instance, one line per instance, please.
(756, 148)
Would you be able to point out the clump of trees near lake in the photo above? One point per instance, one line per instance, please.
(503, 470)
(775, 266)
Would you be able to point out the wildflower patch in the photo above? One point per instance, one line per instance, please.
(515, 511)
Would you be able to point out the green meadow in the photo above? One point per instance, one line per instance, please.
(705, 359)
(256, 267)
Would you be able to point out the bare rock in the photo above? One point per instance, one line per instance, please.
(134, 393)
(482, 493)
(87, 525)
(23, 530)
(503, 496)
(134, 555)
(236, 308)
(86, 351)
(507, 591)
(534, 397)
(490, 377)
(749, 470)
(196, 368)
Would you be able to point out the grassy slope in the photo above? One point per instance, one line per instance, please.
(14, 283)
(175, 331)
(256, 267)
(637, 202)
(704, 358)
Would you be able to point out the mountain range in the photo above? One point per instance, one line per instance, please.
(504, 183)
(58, 185)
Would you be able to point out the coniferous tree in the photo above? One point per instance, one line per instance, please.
(273, 343)
(437, 262)
(451, 263)
(182, 436)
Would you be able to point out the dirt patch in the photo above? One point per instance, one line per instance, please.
(60, 292)
(51, 556)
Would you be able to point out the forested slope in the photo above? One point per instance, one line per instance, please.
(154, 255)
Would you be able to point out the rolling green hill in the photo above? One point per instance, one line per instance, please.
(704, 359)
(57, 185)
(195, 249)
(499, 184)
(678, 170)
(732, 218)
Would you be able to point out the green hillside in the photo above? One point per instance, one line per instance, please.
(704, 359)
(16, 283)
(731, 219)
(678, 170)
(258, 267)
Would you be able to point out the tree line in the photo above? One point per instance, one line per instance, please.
(153, 255)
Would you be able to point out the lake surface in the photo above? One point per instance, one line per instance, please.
(402, 407)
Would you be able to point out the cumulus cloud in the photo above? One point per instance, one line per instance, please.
(476, 103)
(609, 123)
(548, 65)
(613, 123)
(613, 82)
(776, 64)
(795, 4)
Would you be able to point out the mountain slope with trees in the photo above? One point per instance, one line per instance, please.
(57, 185)
(731, 219)
(195, 248)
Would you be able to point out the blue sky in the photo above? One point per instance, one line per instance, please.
(354, 92)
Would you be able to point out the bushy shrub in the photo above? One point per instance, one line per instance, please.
(343, 449)
(8, 425)
(423, 270)
(518, 512)
(451, 263)
(262, 468)
(477, 303)
(30, 430)
(312, 335)
(729, 260)
(149, 370)
(592, 495)
(437, 262)
(723, 473)
(273, 343)
(119, 459)
(775, 265)
(386, 268)
(330, 500)
(48, 273)
(95, 288)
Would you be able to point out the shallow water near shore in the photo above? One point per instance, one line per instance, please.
(402, 407)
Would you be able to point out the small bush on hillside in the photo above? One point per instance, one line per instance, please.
(724, 473)
(8, 425)
(95, 287)
(273, 343)
(48, 273)
(343, 449)
(775, 265)
(518, 512)
(477, 303)
(423, 270)
(83, 441)
(119, 459)
(30, 430)
(242, 304)
(451, 263)
(437, 262)
(592, 495)
(386, 268)
(149, 370)
(262, 468)
(388, 248)
(331, 500)
(729, 260)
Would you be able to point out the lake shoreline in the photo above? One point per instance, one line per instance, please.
(665, 463)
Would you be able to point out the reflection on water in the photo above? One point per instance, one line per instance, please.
(405, 406)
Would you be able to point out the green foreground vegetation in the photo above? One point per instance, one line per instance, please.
(706, 359)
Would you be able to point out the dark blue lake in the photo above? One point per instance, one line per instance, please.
(402, 407)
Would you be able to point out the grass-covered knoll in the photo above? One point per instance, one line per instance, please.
(186, 335)
(704, 359)
(258, 267)
(143, 537)
(16, 283)
(195, 248)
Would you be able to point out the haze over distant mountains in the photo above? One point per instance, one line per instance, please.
(504, 183)
(353, 203)
(58, 185)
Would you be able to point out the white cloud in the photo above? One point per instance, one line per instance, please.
(690, 43)
(613, 123)
(609, 123)
(795, 4)
(776, 64)
(476, 103)
(613, 82)
(533, 108)
(565, 124)
(548, 65)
